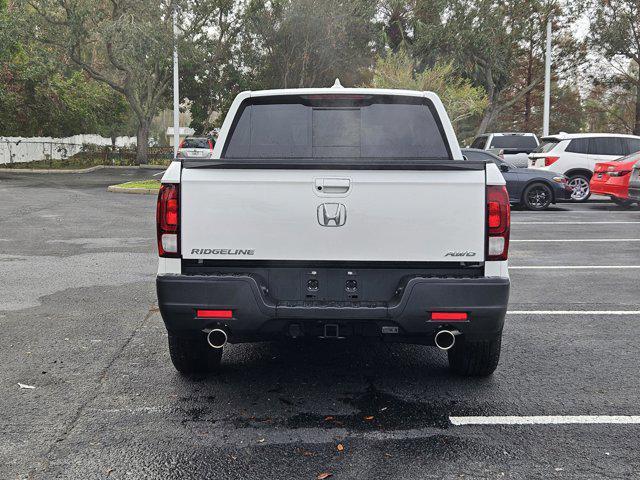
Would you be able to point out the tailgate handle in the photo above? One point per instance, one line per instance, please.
(333, 185)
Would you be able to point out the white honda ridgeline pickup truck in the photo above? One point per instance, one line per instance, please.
(334, 213)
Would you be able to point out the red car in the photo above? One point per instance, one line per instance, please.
(612, 179)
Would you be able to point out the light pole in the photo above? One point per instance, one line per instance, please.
(547, 81)
(176, 85)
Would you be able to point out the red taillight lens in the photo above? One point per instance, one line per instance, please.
(498, 222)
(449, 316)
(168, 221)
(619, 173)
(214, 313)
(550, 160)
(210, 145)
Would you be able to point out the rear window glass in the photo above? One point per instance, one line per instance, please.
(480, 156)
(546, 146)
(195, 143)
(334, 126)
(519, 142)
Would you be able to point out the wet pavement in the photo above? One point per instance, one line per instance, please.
(80, 324)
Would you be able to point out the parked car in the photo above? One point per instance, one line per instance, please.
(575, 156)
(196, 148)
(334, 213)
(512, 147)
(612, 179)
(634, 183)
(531, 188)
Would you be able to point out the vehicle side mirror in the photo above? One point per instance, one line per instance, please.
(504, 167)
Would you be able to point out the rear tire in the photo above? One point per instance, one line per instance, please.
(581, 188)
(191, 356)
(475, 358)
(537, 196)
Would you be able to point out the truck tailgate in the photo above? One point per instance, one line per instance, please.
(355, 215)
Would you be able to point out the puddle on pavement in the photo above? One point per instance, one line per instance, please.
(375, 410)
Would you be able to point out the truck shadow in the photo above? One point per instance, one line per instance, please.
(333, 385)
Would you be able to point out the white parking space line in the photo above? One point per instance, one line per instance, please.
(573, 312)
(575, 223)
(547, 420)
(573, 240)
(574, 267)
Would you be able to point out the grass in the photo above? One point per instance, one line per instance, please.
(149, 184)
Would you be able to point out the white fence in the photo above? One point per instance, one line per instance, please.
(23, 149)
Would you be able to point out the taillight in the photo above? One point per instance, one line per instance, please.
(619, 173)
(498, 222)
(550, 160)
(168, 220)
(210, 145)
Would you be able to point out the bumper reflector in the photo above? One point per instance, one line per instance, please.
(449, 316)
(214, 313)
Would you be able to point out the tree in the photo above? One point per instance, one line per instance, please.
(611, 104)
(488, 39)
(126, 44)
(211, 78)
(615, 33)
(40, 95)
(307, 43)
(461, 99)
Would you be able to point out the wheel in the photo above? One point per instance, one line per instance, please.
(537, 196)
(581, 190)
(622, 202)
(477, 358)
(193, 356)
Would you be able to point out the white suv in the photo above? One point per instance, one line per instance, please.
(575, 156)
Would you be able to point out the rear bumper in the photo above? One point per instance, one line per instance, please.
(258, 317)
(613, 187)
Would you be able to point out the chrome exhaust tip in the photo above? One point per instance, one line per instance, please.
(445, 339)
(217, 338)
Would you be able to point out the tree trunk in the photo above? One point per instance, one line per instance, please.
(487, 119)
(142, 149)
(636, 127)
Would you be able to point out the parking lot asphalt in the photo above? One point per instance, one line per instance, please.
(80, 324)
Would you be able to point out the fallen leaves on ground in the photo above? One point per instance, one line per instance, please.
(28, 387)
(323, 475)
(340, 447)
(369, 417)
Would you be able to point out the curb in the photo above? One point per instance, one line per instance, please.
(84, 170)
(138, 191)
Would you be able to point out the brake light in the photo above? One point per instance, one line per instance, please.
(181, 143)
(168, 220)
(214, 313)
(449, 316)
(210, 145)
(620, 173)
(550, 160)
(498, 222)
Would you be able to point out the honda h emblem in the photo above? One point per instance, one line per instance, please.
(332, 214)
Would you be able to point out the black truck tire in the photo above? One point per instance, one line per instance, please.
(191, 356)
(475, 358)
